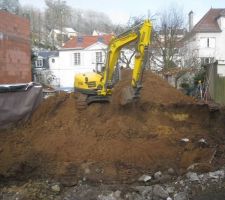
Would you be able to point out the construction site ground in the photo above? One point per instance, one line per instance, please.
(113, 144)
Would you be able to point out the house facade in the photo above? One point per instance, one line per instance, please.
(205, 41)
(79, 55)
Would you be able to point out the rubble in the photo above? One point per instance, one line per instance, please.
(145, 178)
(179, 189)
(181, 196)
(158, 175)
(158, 191)
(192, 176)
(56, 188)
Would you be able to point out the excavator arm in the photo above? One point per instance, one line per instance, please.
(141, 35)
(115, 46)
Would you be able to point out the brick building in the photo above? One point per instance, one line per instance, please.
(15, 53)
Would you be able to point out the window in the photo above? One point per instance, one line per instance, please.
(208, 42)
(207, 60)
(80, 39)
(39, 63)
(98, 57)
(76, 58)
(212, 42)
(100, 39)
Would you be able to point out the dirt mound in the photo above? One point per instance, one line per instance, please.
(155, 89)
(108, 142)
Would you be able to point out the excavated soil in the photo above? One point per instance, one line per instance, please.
(109, 142)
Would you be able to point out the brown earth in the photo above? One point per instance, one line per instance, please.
(109, 142)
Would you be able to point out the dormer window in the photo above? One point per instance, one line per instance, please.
(80, 39)
(100, 39)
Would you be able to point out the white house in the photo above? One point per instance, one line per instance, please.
(70, 32)
(206, 40)
(80, 54)
(56, 35)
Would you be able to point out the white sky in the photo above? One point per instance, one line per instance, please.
(120, 10)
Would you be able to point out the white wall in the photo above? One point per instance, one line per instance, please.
(221, 70)
(65, 69)
(214, 49)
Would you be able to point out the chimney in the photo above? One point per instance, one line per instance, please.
(190, 15)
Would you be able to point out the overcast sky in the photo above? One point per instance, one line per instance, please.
(120, 10)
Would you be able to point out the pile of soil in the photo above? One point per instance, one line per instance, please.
(109, 142)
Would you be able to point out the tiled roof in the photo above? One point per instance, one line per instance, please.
(86, 41)
(209, 21)
(46, 54)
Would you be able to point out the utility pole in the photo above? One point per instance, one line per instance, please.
(61, 12)
(39, 29)
(61, 18)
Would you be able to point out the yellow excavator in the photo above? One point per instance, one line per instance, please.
(97, 87)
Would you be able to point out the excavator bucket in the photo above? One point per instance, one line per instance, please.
(127, 96)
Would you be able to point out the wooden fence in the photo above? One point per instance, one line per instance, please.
(216, 84)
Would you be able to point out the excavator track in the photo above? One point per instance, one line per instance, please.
(81, 101)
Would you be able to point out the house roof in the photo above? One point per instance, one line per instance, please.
(86, 41)
(46, 54)
(69, 30)
(209, 22)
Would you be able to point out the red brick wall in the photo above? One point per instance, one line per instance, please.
(15, 53)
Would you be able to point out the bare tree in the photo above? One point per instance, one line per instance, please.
(86, 21)
(127, 55)
(166, 39)
(10, 5)
(36, 18)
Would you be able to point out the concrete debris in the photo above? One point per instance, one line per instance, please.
(184, 140)
(192, 167)
(143, 190)
(158, 175)
(158, 191)
(171, 171)
(192, 176)
(181, 196)
(202, 142)
(112, 196)
(170, 190)
(87, 171)
(56, 188)
(217, 174)
(145, 178)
